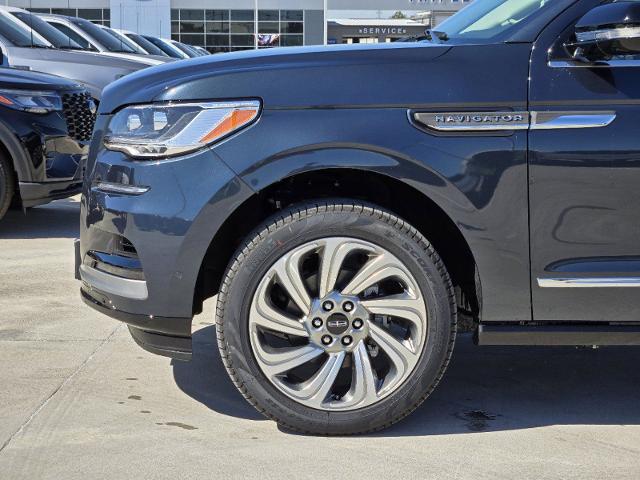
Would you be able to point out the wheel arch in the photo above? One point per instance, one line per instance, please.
(12, 148)
(344, 183)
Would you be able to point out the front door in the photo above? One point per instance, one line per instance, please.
(584, 167)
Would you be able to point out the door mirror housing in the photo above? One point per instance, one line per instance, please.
(607, 31)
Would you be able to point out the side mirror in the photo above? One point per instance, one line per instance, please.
(608, 31)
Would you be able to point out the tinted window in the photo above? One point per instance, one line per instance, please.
(106, 40)
(163, 46)
(187, 51)
(20, 37)
(51, 34)
(76, 37)
(149, 47)
(123, 39)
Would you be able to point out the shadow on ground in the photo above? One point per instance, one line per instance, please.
(60, 219)
(484, 389)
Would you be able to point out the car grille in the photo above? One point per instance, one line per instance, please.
(77, 112)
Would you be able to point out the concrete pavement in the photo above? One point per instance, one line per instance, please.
(80, 400)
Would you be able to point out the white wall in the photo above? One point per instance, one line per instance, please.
(149, 17)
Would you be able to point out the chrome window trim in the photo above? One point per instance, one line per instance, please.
(589, 282)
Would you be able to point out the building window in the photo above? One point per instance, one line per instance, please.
(100, 16)
(232, 30)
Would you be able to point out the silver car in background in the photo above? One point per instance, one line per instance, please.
(90, 35)
(44, 49)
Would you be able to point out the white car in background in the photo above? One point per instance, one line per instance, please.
(142, 43)
(90, 35)
(123, 39)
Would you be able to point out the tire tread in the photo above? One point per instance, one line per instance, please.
(308, 209)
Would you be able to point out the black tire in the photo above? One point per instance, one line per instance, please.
(292, 228)
(7, 185)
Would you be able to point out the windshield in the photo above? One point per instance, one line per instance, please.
(488, 19)
(76, 37)
(124, 40)
(19, 36)
(107, 41)
(51, 34)
(186, 50)
(164, 47)
(149, 47)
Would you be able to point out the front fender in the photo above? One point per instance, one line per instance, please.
(479, 182)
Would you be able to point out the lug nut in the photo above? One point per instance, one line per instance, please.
(328, 306)
(357, 323)
(326, 339)
(347, 340)
(347, 306)
(316, 322)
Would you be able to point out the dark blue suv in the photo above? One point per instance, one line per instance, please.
(353, 207)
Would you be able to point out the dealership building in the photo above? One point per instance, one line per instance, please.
(229, 25)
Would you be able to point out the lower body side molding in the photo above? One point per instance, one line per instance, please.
(558, 335)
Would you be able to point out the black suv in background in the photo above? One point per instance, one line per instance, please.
(45, 127)
(349, 205)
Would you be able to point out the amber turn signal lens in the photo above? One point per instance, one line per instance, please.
(232, 122)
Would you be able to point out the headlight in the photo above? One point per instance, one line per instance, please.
(165, 130)
(31, 101)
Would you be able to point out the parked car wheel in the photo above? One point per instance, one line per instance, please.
(336, 318)
(6, 185)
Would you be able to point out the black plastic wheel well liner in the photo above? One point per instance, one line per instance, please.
(344, 184)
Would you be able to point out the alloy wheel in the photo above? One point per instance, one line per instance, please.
(337, 323)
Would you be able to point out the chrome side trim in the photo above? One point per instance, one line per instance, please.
(473, 121)
(569, 120)
(591, 282)
(508, 121)
(123, 287)
(608, 34)
(109, 187)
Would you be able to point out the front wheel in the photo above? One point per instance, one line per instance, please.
(336, 318)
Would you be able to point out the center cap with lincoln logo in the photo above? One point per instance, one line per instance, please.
(337, 324)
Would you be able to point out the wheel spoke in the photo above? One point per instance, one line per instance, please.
(334, 252)
(403, 306)
(363, 381)
(277, 361)
(315, 390)
(379, 267)
(287, 269)
(402, 358)
(265, 315)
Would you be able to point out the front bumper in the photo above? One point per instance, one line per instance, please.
(145, 329)
(50, 164)
(140, 255)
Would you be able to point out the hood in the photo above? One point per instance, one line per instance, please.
(145, 60)
(25, 80)
(282, 77)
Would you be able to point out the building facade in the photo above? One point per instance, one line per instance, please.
(231, 25)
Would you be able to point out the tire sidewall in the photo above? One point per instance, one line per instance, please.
(302, 226)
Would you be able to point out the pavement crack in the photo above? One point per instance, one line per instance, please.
(58, 388)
